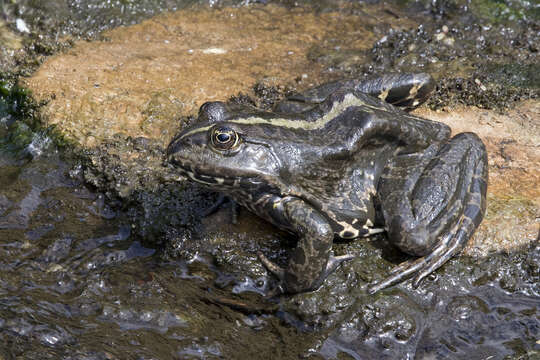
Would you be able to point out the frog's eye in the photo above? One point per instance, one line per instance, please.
(224, 138)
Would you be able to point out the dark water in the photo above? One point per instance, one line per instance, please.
(76, 283)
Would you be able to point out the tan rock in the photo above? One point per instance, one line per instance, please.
(142, 78)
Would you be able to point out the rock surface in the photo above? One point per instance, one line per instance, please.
(140, 79)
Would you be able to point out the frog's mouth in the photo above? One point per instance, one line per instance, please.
(203, 176)
(200, 176)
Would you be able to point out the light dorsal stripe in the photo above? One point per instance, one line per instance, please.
(337, 109)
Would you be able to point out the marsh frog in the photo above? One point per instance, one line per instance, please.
(344, 159)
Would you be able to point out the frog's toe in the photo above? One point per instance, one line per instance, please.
(398, 274)
(421, 267)
(333, 263)
(331, 266)
(273, 268)
(442, 253)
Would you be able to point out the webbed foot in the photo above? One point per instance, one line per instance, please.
(279, 272)
(421, 267)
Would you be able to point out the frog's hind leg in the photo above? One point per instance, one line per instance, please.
(439, 211)
(406, 91)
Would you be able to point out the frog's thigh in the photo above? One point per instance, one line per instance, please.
(445, 205)
(307, 265)
(403, 90)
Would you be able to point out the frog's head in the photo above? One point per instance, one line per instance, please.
(222, 151)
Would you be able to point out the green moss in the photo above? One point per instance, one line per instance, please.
(494, 11)
(15, 134)
(513, 74)
(20, 122)
(498, 11)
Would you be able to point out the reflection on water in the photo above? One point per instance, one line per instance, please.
(56, 240)
(74, 284)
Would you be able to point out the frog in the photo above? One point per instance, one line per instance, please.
(344, 160)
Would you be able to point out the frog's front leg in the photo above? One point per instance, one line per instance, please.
(433, 215)
(310, 262)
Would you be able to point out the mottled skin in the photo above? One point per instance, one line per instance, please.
(341, 160)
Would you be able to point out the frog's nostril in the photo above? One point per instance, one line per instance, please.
(174, 147)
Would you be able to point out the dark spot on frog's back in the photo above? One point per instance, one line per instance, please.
(473, 212)
(479, 186)
(411, 88)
